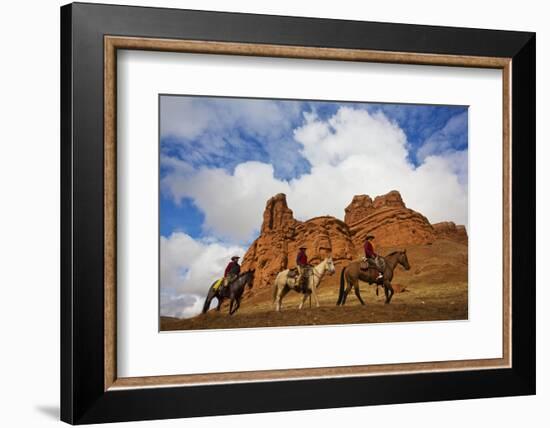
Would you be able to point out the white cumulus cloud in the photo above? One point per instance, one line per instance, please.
(187, 269)
(232, 203)
(192, 117)
(352, 152)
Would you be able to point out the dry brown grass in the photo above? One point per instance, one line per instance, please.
(436, 288)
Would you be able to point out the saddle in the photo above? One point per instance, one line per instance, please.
(294, 274)
(366, 264)
(217, 284)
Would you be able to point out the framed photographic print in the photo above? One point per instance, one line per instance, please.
(292, 213)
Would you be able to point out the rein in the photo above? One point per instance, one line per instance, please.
(315, 273)
(393, 259)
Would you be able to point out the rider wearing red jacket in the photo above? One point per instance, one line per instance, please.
(303, 268)
(301, 258)
(232, 271)
(372, 257)
(369, 248)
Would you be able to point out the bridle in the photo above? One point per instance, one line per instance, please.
(320, 275)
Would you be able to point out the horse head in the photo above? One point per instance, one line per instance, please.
(330, 265)
(403, 259)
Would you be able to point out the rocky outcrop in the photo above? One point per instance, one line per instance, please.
(360, 207)
(324, 236)
(389, 220)
(386, 217)
(449, 230)
(282, 235)
(277, 215)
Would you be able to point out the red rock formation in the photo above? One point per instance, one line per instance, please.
(389, 220)
(360, 207)
(268, 254)
(324, 236)
(277, 215)
(282, 235)
(386, 217)
(449, 230)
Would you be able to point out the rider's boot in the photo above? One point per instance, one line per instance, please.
(303, 283)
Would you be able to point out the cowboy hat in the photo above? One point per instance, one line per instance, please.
(369, 237)
(235, 257)
(303, 248)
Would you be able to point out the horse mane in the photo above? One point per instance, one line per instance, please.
(250, 271)
(393, 253)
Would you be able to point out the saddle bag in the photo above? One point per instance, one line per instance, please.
(292, 273)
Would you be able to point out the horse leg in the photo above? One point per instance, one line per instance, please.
(346, 292)
(388, 290)
(315, 297)
(284, 293)
(357, 293)
(236, 303)
(281, 292)
(276, 295)
(207, 301)
(236, 299)
(220, 299)
(304, 297)
(349, 285)
(278, 298)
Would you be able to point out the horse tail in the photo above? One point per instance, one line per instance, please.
(342, 283)
(208, 299)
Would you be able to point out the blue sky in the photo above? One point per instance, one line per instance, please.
(221, 159)
(237, 141)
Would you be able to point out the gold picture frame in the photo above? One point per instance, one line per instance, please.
(91, 389)
(114, 43)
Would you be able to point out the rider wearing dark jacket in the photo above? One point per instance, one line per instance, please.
(232, 271)
(233, 267)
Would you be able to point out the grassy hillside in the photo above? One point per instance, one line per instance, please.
(435, 288)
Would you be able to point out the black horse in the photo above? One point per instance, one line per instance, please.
(233, 292)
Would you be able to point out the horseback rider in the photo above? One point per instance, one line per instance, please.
(303, 268)
(231, 273)
(372, 258)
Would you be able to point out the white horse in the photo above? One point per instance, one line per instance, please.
(283, 284)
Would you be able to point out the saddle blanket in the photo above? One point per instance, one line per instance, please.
(217, 284)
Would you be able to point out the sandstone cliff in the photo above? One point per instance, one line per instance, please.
(282, 235)
(386, 217)
(389, 220)
(449, 230)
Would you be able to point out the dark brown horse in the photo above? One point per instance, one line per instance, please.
(234, 292)
(352, 273)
